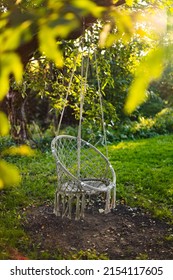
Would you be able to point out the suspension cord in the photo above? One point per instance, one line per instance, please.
(101, 105)
(82, 96)
(67, 94)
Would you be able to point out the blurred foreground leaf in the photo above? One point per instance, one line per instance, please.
(49, 47)
(4, 124)
(23, 150)
(150, 69)
(10, 64)
(87, 6)
(9, 175)
(130, 2)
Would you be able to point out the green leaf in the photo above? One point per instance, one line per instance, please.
(10, 64)
(88, 7)
(125, 29)
(150, 69)
(22, 150)
(9, 175)
(61, 27)
(130, 2)
(49, 46)
(11, 38)
(4, 124)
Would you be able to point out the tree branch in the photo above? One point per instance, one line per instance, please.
(26, 50)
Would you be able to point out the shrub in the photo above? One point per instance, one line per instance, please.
(164, 121)
(152, 106)
(161, 124)
(143, 128)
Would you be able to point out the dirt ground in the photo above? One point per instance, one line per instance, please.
(125, 233)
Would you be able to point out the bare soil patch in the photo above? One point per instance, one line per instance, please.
(125, 233)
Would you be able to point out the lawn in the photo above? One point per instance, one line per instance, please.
(144, 170)
(145, 173)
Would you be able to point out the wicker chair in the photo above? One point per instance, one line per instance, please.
(82, 170)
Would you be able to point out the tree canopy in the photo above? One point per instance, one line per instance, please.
(28, 26)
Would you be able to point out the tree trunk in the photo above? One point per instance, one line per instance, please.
(15, 105)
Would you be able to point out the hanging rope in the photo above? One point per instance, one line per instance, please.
(67, 94)
(101, 104)
(82, 96)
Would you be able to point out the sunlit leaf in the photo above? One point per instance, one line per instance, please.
(124, 29)
(9, 175)
(49, 46)
(11, 38)
(10, 64)
(4, 124)
(150, 69)
(55, 4)
(3, 21)
(142, 33)
(129, 2)
(23, 150)
(88, 7)
(104, 35)
(125, 25)
(1, 184)
(63, 26)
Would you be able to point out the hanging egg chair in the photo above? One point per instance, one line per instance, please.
(82, 170)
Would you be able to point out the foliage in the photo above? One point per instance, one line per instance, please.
(164, 121)
(165, 85)
(153, 61)
(6, 168)
(9, 174)
(43, 79)
(57, 21)
(4, 129)
(113, 63)
(19, 23)
(153, 105)
(142, 127)
(161, 123)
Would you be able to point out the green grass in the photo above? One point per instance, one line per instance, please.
(144, 170)
(37, 186)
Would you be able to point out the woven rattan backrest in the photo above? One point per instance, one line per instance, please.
(93, 164)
